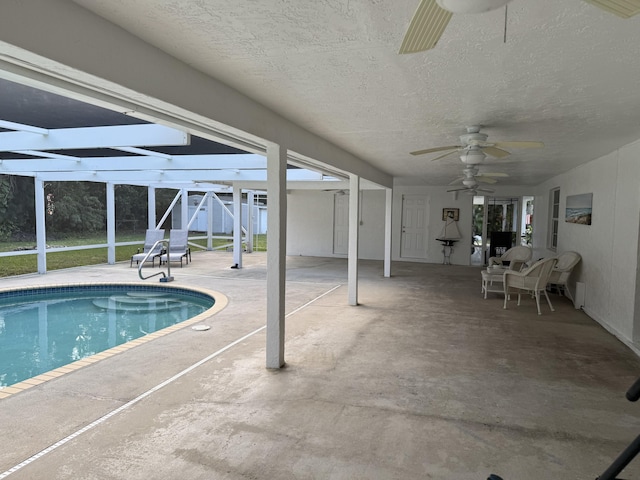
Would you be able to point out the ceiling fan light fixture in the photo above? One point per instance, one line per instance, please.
(469, 183)
(472, 156)
(470, 6)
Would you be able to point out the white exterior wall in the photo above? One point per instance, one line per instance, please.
(310, 224)
(372, 208)
(609, 246)
(438, 198)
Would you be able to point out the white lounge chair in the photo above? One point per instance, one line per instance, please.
(151, 237)
(178, 247)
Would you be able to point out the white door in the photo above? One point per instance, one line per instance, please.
(414, 226)
(341, 224)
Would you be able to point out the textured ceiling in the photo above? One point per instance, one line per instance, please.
(567, 75)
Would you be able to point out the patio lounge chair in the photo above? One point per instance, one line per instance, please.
(178, 247)
(151, 237)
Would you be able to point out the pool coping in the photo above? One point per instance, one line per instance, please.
(221, 301)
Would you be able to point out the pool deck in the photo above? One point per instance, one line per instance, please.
(424, 379)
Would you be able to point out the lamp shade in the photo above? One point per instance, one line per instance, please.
(449, 231)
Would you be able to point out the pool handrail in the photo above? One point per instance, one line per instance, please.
(165, 277)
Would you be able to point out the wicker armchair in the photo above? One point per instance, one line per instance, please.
(532, 280)
(562, 271)
(516, 256)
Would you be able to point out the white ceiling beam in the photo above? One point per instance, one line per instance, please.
(65, 163)
(195, 186)
(23, 128)
(225, 188)
(311, 185)
(38, 153)
(94, 137)
(142, 151)
(157, 175)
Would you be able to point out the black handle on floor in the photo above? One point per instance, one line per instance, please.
(633, 394)
(622, 461)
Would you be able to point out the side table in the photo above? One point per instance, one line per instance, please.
(492, 280)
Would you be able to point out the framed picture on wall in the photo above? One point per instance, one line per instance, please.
(453, 213)
(578, 209)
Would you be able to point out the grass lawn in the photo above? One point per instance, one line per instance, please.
(22, 264)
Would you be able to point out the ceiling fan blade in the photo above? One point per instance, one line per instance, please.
(483, 179)
(457, 180)
(457, 189)
(494, 174)
(518, 144)
(426, 27)
(433, 150)
(486, 190)
(445, 155)
(624, 9)
(495, 152)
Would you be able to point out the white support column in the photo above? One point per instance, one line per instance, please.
(41, 231)
(237, 227)
(184, 209)
(387, 231)
(209, 221)
(354, 229)
(250, 202)
(276, 253)
(151, 208)
(111, 224)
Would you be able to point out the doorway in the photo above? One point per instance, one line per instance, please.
(413, 242)
(496, 226)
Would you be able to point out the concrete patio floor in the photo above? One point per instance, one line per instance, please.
(424, 379)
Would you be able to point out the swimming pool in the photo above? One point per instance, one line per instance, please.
(45, 328)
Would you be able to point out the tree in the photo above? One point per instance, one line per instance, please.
(78, 207)
(16, 207)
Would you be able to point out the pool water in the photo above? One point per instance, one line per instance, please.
(47, 328)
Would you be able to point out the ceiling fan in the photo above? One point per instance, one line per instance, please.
(432, 16)
(474, 147)
(471, 189)
(473, 174)
(337, 191)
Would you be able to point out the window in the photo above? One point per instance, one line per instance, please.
(554, 215)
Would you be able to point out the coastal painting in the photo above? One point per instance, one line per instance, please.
(578, 209)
